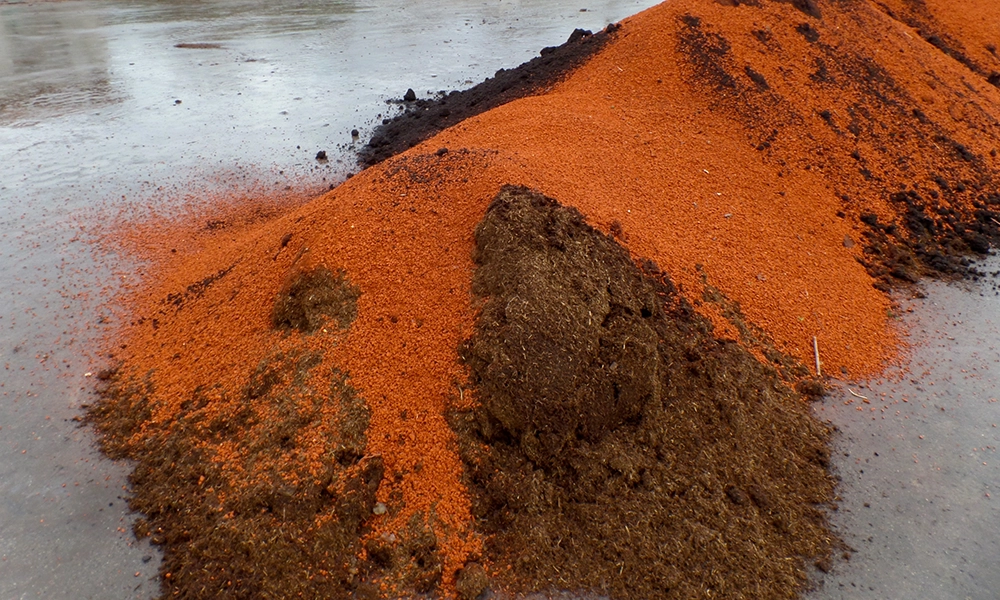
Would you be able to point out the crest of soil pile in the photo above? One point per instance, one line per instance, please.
(619, 448)
(948, 37)
(423, 118)
(944, 207)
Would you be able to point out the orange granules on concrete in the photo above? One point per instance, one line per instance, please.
(721, 142)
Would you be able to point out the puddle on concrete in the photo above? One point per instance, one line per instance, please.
(920, 490)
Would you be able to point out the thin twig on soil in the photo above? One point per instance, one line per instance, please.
(856, 395)
(819, 371)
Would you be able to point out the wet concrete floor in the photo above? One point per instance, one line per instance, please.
(917, 456)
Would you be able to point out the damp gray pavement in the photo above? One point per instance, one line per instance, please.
(916, 453)
(102, 114)
(121, 107)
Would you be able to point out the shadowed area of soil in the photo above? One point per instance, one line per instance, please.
(618, 447)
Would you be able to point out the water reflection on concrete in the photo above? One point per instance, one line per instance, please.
(90, 125)
(51, 61)
(918, 458)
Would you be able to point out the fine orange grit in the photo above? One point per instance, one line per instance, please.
(969, 30)
(722, 142)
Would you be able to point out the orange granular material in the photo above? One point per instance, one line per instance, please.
(624, 139)
(971, 27)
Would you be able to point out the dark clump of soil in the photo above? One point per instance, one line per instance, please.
(196, 289)
(198, 46)
(414, 556)
(935, 239)
(425, 117)
(618, 448)
(471, 581)
(312, 297)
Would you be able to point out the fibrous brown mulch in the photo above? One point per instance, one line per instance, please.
(618, 447)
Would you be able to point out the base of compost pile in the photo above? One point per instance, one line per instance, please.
(229, 489)
(423, 118)
(618, 448)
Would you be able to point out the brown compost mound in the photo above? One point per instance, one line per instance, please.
(425, 117)
(284, 380)
(619, 448)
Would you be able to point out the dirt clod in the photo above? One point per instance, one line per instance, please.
(471, 581)
(198, 45)
(313, 297)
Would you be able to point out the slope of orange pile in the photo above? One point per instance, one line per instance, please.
(966, 30)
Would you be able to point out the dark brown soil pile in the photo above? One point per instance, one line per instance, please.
(618, 447)
(424, 118)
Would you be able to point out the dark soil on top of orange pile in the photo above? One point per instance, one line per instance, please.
(428, 382)
(966, 30)
(424, 117)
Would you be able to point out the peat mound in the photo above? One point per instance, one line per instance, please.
(618, 448)
(423, 118)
